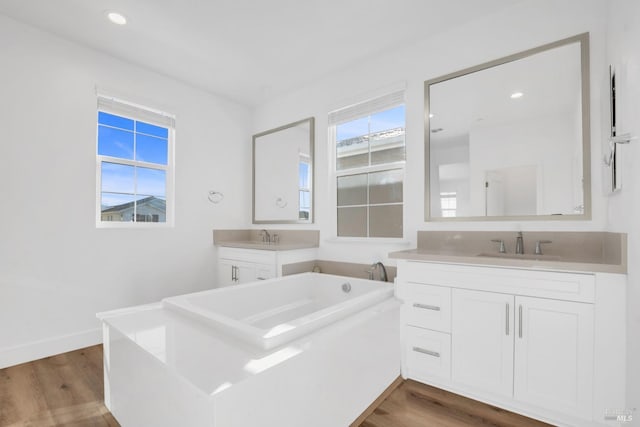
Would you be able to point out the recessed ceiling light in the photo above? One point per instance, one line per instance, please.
(116, 18)
(516, 95)
(430, 115)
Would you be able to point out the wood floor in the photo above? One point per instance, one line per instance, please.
(413, 404)
(62, 390)
(66, 390)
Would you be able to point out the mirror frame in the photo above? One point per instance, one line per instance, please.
(311, 122)
(583, 40)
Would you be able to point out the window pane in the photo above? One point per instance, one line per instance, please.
(304, 175)
(352, 161)
(385, 221)
(352, 144)
(151, 182)
(387, 136)
(387, 120)
(151, 149)
(352, 129)
(305, 205)
(117, 178)
(385, 186)
(151, 209)
(388, 156)
(352, 222)
(114, 121)
(305, 200)
(116, 207)
(153, 130)
(115, 142)
(352, 190)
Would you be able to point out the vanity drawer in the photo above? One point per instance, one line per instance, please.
(569, 286)
(427, 306)
(255, 256)
(428, 354)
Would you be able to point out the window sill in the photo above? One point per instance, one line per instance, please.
(132, 225)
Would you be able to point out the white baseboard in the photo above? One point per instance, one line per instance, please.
(48, 347)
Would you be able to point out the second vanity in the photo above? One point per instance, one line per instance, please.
(543, 336)
(249, 255)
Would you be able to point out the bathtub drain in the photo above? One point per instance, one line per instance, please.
(346, 287)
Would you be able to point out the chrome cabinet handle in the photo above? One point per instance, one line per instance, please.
(425, 351)
(520, 321)
(507, 319)
(426, 306)
(234, 273)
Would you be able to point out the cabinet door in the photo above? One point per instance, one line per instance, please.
(482, 341)
(554, 354)
(245, 272)
(226, 273)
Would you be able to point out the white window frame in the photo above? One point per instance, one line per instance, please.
(358, 110)
(129, 110)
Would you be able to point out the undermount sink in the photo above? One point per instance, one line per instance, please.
(528, 257)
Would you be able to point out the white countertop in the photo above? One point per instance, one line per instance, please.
(266, 246)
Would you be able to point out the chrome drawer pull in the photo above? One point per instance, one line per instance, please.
(427, 307)
(425, 351)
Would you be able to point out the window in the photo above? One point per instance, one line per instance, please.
(448, 204)
(369, 167)
(134, 164)
(304, 177)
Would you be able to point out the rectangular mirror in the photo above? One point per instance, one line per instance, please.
(509, 139)
(283, 174)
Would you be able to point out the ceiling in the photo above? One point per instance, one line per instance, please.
(550, 82)
(248, 50)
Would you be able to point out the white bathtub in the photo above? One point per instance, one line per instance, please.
(273, 312)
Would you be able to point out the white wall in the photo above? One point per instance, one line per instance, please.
(56, 269)
(545, 144)
(525, 25)
(624, 206)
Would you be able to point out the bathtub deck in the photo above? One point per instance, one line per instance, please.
(279, 315)
(157, 355)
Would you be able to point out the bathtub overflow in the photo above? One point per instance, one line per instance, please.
(346, 287)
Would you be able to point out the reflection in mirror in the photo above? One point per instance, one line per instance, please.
(510, 139)
(283, 174)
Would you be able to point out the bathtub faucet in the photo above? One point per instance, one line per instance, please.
(378, 266)
(266, 237)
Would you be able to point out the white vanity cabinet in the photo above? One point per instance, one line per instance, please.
(236, 266)
(239, 265)
(534, 349)
(553, 365)
(549, 345)
(482, 340)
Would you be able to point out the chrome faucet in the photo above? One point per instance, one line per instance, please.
(266, 237)
(538, 250)
(519, 244)
(383, 271)
(503, 248)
